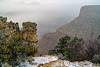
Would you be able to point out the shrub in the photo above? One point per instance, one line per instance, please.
(96, 59)
(68, 47)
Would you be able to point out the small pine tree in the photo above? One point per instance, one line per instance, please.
(68, 47)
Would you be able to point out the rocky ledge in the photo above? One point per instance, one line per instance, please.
(53, 61)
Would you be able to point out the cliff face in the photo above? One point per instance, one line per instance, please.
(48, 42)
(10, 29)
(86, 26)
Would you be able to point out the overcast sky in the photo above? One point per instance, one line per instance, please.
(48, 14)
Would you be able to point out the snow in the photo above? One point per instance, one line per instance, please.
(53, 61)
(47, 59)
(39, 60)
(78, 64)
(44, 59)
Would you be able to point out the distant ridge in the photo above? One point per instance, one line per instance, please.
(86, 26)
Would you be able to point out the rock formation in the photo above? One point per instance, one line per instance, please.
(28, 33)
(86, 26)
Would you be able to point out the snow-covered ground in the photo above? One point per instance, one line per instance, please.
(44, 59)
(53, 61)
(39, 60)
(78, 64)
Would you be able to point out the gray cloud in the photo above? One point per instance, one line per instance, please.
(1, 0)
(49, 14)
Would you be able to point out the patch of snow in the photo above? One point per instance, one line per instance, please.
(39, 60)
(44, 59)
(78, 64)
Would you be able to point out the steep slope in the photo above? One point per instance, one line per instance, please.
(48, 42)
(86, 26)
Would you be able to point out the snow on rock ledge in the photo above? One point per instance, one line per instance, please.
(44, 59)
(53, 61)
(39, 60)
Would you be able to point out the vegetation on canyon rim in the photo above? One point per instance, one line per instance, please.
(17, 45)
(76, 49)
(13, 51)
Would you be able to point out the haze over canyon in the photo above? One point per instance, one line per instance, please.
(48, 14)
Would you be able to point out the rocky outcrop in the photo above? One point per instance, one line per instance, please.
(7, 29)
(86, 26)
(28, 33)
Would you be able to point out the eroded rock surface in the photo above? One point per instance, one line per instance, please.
(28, 33)
(86, 26)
